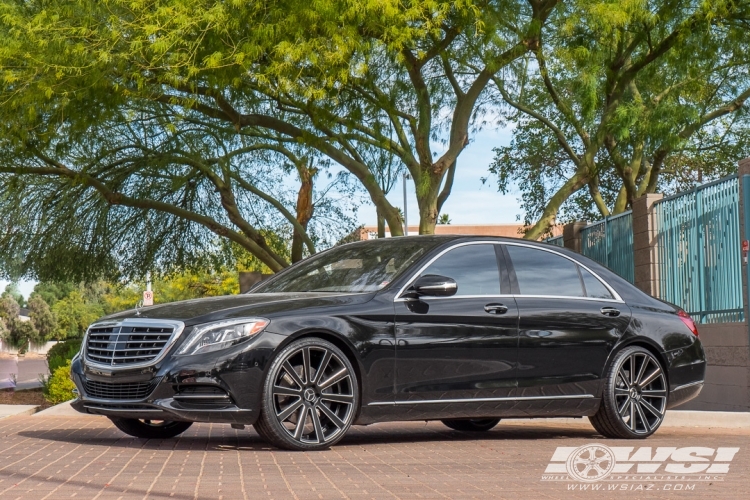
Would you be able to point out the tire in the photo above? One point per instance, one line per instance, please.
(471, 424)
(635, 395)
(310, 397)
(147, 429)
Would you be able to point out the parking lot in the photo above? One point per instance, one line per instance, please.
(86, 457)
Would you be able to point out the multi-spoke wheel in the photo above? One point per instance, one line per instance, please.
(471, 424)
(310, 396)
(635, 396)
(150, 429)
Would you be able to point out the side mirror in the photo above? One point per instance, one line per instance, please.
(433, 285)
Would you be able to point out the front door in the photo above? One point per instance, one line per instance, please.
(569, 322)
(458, 354)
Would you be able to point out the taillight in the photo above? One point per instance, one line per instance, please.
(685, 317)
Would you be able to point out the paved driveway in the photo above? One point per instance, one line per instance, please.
(85, 457)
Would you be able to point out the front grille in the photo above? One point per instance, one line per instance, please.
(122, 345)
(121, 391)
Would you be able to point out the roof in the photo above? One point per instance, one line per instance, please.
(23, 312)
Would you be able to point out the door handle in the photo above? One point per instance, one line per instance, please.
(610, 311)
(495, 309)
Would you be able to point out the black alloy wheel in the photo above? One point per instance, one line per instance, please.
(310, 396)
(635, 396)
(471, 424)
(150, 429)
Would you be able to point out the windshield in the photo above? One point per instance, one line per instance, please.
(359, 267)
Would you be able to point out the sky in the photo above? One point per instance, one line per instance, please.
(470, 202)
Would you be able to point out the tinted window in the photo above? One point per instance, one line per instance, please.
(358, 267)
(594, 287)
(474, 267)
(544, 273)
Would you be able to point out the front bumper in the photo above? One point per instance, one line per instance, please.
(219, 387)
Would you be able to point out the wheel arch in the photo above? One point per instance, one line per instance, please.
(639, 341)
(339, 341)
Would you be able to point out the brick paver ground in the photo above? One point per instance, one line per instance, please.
(88, 458)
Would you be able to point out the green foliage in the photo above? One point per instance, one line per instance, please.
(62, 353)
(74, 314)
(52, 291)
(18, 333)
(59, 387)
(12, 290)
(9, 308)
(42, 318)
(623, 99)
(444, 219)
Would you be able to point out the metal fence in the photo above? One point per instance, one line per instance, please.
(698, 240)
(557, 241)
(610, 243)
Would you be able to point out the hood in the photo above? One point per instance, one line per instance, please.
(236, 306)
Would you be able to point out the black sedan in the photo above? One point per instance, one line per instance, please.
(465, 330)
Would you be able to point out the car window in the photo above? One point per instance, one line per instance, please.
(544, 273)
(474, 267)
(594, 287)
(360, 267)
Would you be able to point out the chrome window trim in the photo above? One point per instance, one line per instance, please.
(480, 400)
(616, 299)
(177, 326)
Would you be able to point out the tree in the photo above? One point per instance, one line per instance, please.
(444, 219)
(52, 291)
(42, 318)
(74, 314)
(9, 308)
(11, 289)
(145, 86)
(626, 94)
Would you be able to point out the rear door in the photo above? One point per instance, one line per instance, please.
(458, 350)
(569, 320)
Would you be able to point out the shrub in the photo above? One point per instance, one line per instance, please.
(62, 353)
(59, 387)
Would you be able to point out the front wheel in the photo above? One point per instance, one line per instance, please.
(150, 429)
(471, 424)
(310, 396)
(635, 396)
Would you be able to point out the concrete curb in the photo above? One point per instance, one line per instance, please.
(62, 410)
(17, 410)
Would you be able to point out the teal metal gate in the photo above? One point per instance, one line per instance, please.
(700, 261)
(610, 243)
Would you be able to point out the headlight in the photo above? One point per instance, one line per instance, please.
(220, 335)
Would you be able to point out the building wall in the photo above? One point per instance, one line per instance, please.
(505, 230)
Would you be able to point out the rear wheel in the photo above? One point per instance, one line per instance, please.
(471, 424)
(150, 429)
(310, 396)
(635, 396)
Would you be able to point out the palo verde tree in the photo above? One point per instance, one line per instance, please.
(619, 94)
(336, 79)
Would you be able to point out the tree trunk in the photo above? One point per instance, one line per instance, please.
(305, 208)
(381, 223)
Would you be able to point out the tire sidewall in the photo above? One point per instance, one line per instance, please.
(609, 392)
